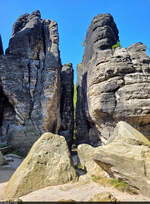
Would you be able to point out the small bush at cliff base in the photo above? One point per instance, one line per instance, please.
(117, 45)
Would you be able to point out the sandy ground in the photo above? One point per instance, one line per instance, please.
(6, 171)
(80, 191)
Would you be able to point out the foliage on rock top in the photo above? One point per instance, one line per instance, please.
(117, 45)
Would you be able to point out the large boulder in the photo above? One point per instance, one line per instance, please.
(113, 85)
(48, 163)
(127, 157)
(30, 84)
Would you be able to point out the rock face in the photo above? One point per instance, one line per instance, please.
(66, 108)
(1, 46)
(30, 85)
(127, 157)
(113, 84)
(2, 159)
(48, 163)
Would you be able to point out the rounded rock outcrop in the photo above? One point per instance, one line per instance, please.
(48, 163)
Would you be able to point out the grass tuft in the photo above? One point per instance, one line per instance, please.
(120, 185)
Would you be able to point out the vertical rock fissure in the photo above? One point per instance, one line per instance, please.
(6, 112)
(74, 113)
(66, 106)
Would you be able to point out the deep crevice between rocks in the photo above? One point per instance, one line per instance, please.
(4, 104)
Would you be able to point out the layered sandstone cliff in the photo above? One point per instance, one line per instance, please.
(113, 84)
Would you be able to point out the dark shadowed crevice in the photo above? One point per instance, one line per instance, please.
(5, 107)
(1, 46)
(66, 104)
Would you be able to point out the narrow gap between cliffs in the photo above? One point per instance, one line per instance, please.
(74, 151)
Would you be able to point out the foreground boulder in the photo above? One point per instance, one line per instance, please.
(113, 84)
(127, 157)
(48, 163)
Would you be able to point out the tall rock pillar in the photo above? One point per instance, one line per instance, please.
(30, 82)
(113, 84)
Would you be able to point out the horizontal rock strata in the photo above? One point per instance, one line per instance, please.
(113, 84)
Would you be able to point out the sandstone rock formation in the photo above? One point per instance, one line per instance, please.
(127, 157)
(66, 107)
(85, 154)
(103, 197)
(48, 163)
(1, 46)
(113, 84)
(30, 85)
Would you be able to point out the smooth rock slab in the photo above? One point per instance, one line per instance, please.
(127, 157)
(48, 163)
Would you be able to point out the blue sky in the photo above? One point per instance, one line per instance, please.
(74, 16)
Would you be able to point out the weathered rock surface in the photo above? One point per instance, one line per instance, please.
(113, 84)
(85, 154)
(103, 197)
(127, 157)
(48, 163)
(30, 82)
(101, 35)
(2, 159)
(66, 107)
